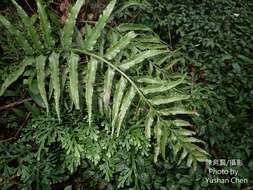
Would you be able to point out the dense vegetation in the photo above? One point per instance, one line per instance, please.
(136, 98)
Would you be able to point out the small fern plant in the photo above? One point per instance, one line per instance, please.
(115, 71)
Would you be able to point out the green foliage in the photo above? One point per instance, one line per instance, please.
(129, 110)
(123, 57)
(214, 43)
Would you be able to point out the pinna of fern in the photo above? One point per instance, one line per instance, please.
(122, 68)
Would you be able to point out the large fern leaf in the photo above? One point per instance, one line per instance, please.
(132, 58)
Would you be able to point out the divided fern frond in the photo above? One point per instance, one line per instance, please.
(123, 78)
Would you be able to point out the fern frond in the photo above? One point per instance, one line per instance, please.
(93, 35)
(55, 77)
(161, 88)
(41, 78)
(164, 141)
(158, 135)
(126, 102)
(150, 80)
(181, 123)
(182, 140)
(73, 78)
(140, 58)
(119, 52)
(121, 44)
(148, 124)
(133, 27)
(108, 83)
(16, 74)
(68, 30)
(177, 111)
(117, 99)
(158, 100)
(91, 76)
